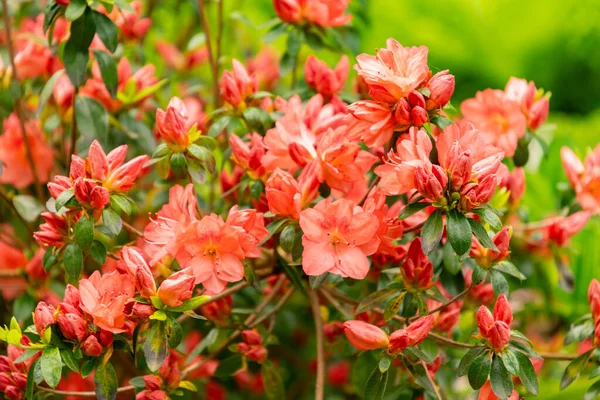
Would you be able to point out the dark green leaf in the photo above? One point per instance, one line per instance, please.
(373, 299)
(155, 346)
(218, 126)
(523, 348)
(258, 119)
(521, 153)
(69, 359)
(393, 306)
(481, 235)
(51, 13)
(509, 268)
(112, 221)
(63, 199)
(510, 361)
(98, 252)
(75, 9)
(499, 283)
(376, 384)
(106, 382)
(273, 228)
(467, 359)
(479, 370)
(108, 70)
(107, 31)
(31, 380)
(84, 232)
(451, 260)
(27, 355)
(574, 369)
(527, 373)
(578, 333)
(76, 62)
(441, 122)
(121, 202)
(49, 259)
(196, 170)
(292, 273)
(73, 260)
(51, 365)
(257, 188)
(92, 118)
(412, 209)
(88, 367)
(501, 381)
(179, 165)
(229, 366)
(479, 275)
(316, 281)
(593, 392)
(431, 234)
(174, 332)
(459, 232)
(272, 382)
(420, 375)
(204, 155)
(489, 215)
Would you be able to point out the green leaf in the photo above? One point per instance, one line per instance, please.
(121, 202)
(527, 373)
(376, 384)
(92, 118)
(479, 370)
(593, 392)
(272, 382)
(51, 13)
(179, 165)
(108, 70)
(273, 228)
(292, 273)
(204, 155)
(481, 235)
(229, 366)
(98, 252)
(51, 366)
(451, 260)
(499, 283)
(218, 126)
(479, 275)
(69, 359)
(28, 207)
(412, 209)
(467, 359)
(73, 260)
(316, 281)
(196, 171)
(373, 299)
(489, 215)
(155, 346)
(441, 122)
(31, 379)
(23, 306)
(431, 234)
(208, 340)
(577, 333)
(63, 199)
(509, 268)
(510, 361)
(112, 221)
(88, 367)
(258, 119)
(84, 232)
(393, 306)
(501, 381)
(106, 382)
(384, 364)
(107, 31)
(75, 9)
(276, 31)
(459, 232)
(26, 355)
(523, 348)
(574, 369)
(76, 62)
(174, 332)
(47, 91)
(420, 375)
(190, 304)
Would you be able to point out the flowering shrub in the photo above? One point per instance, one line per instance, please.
(161, 237)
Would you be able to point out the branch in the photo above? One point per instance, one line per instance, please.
(18, 107)
(432, 381)
(132, 229)
(558, 356)
(445, 305)
(82, 394)
(316, 310)
(224, 293)
(266, 300)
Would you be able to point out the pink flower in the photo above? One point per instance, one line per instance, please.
(584, 177)
(177, 288)
(179, 61)
(496, 328)
(286, 196)
(236, 86)
(103, 297)
(417, 270)
(410, 336)
(534, 104)
(265, 67)
(131, 24)
(398, 173)
(250, 228)
(441, 86)
(297, 132)
(16, 168)
(390, 228)
(562, 229)
(248, 156)
(394, 71)
(139, 271)
(338, 237)
(214, 252)
(320, 12)
(365, 336)
(498, 119)
(513, 181)
(324, 80)
(370, 122)
(33, 61)
(174, 123)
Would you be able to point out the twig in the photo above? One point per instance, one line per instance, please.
(10, 273)
(375, 182)
(265, 301)
(335, 303)
(73, 131)
(446, 304)
(82, 394)
(432, 381)
(316, 310)
(558, 356)
(211, 57)
(224, 293)
(18, 107)
(132, 229)
(414, 228)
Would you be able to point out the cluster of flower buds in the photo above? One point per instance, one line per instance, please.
(326, 81)
(365, 336)
(495, 328)
(485, 257)
(252, 346)
(417, 270)
(238, 85)
(13, 375)
(404, 93)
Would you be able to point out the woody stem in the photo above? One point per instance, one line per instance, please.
(18, 106)
(446, 304)
(224, 293)
(132, 229)
(316, 310)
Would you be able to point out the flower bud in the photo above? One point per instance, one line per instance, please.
(172, 125)
(236, 86)
(252, 337)
(138, 310)
(499, 335)
(431, 181)
(365, 336)
(218, 311)
(140, 271)
(152, 382)
(594, 299)
(43, 316)
(257, 354)
(288, 10)
(72, 326)
(538, 113)
(486, 257)
(460, 170)
(412, 335)
(402, 112)
(58, 185)
(72, 296)
(417, 270)
(419, 116)
(283, 193)
(496, 328)
(177, 288)
(91, 347)
(502, 310)
(441, 86)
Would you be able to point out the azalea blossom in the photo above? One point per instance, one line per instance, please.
(236, 86)
(584, 177)
(174, 123)
(324, 80)
(496, 328)
(320, 12)
(338, 237)
(287, 196)
(534, 104)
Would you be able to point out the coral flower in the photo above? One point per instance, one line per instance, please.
(236, 86)
(394, 71)
(533, 103)
(584, 177)
(324, 80)
(496, 328)
(370, 122)
(103, 297)
(498, 119)
(131, 24)
(215, 254)
(265, 67)
(338, 237)
(16, 168)
(320, 12)
(174, 123)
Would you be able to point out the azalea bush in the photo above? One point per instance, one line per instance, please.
(206, 225)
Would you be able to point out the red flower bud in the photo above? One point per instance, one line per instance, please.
(431, 181)
(496, 328)
(538, 113)
(43, 316)
(365, 336)
(72, 296)
(252, 337)
(416, 99)
(441, 86)
(139, 270)
(419, 116)
(402, 112)
(91, 347)
(174, 290)
(172, 124)
(417, 270)
(412, 335)
(257, 354)
(72, 326)
(594, 299)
